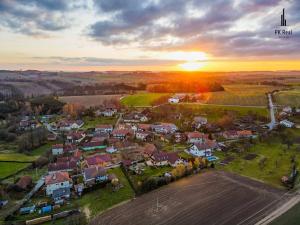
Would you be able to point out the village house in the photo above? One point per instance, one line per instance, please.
(104, 128)
(51, 137)
(287, 123)
(27, 123)
(199, 121)
(75, 137)
(66, 166)
(244, 133)
(57, 180)
(176, 98)
(179, 137)
(164, 128)
(121, 133)
(149, 150)
(287, 109)
(99, 137)
(69, 148)
(143, 127)
(57, 149)
(164, 159)
(203, 149)
(234, 134)
(93, 175)
(107, 111)
(135, 117)
(144, 136)
(67, 125)
(98, 160)
(196, 137)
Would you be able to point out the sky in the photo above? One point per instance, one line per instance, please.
(158, 35)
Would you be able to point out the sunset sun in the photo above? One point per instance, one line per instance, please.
(191, 65)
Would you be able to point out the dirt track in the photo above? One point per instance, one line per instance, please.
(211, 198)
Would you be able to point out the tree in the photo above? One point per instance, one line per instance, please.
(287, 138)
(189, 167)
(225, 122)
(179, 170)
(73, 109)
(196, 163)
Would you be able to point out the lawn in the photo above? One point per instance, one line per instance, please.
(289, 97)
(102, 199)
(291, 217)
(142, 99)
(93, 122)
(8, 168)
(277, 164)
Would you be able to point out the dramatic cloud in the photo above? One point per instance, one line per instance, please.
(219, 27)
(34, 17)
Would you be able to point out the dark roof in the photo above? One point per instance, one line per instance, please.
(58, 193)
(62, 166)
(93, 172)
(165, 156)
(207, 145)
(98, 159)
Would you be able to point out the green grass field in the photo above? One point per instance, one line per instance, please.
(142, 99)
(93, 122)
(239, 94)
(235, 94)
(8, 168)
(290, 97)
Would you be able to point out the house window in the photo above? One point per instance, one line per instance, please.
(61, 184)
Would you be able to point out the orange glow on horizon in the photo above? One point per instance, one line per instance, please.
(191, 65)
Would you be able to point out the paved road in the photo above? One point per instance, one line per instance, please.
(272, 124)
(217, 198)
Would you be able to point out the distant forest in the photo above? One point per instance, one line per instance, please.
(185, 87)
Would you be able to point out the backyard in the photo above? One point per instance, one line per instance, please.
(266, 161)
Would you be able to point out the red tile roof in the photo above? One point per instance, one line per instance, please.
(57, 177)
